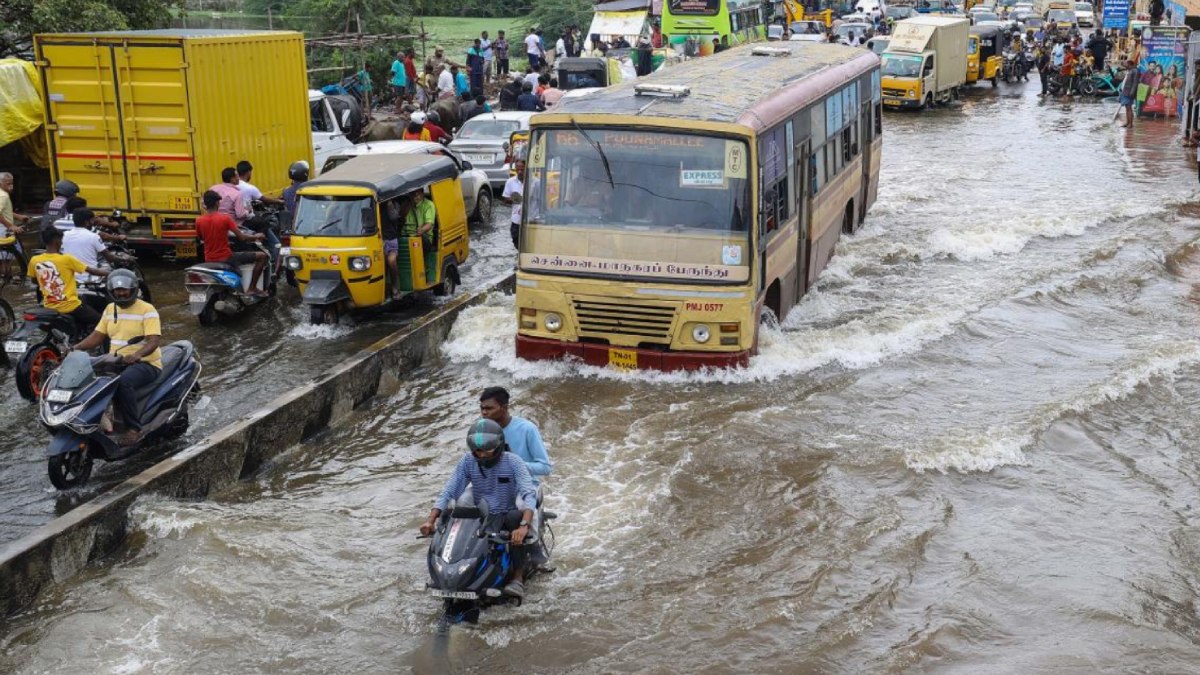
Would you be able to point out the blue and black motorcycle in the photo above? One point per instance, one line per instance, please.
(76, 405)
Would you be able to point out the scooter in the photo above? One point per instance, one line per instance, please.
(470, 560)
(77, 407)
(1102, 83)
(221, 288)
(44, 336)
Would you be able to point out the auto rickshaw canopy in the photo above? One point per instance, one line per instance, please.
(388, 176)
(991, 40)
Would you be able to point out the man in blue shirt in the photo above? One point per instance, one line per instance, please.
(502, 480)
(520, 434)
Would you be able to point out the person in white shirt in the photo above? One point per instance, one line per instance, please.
(81, 242)
(251, 194)
(514, 192)
(531, 78)
(560, 49)
(445, 83)
(486, 45)
(533, 50)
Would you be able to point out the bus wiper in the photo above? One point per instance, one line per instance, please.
(599, 151)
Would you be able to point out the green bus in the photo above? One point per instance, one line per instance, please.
(691, 25)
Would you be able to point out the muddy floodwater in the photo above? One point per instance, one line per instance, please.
(971, 449)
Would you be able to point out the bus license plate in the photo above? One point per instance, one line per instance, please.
(458, 595)
(623, 359)
(16, 346)
(58, 396)
(185, 249)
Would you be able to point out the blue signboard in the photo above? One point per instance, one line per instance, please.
(1116, 14)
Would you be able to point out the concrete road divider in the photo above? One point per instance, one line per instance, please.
(55, 552)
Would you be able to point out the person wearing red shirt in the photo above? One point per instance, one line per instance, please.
(410, 71)
(436, 133)
(214, 228)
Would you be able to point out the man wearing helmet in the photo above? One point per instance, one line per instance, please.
(298, 172)
(57, 208)
(415, 129)
(122, 322)
(499, 478)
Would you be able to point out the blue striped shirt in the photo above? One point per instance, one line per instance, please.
(499, 486)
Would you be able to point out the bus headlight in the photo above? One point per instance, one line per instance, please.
(700, 333)
(360, 263)
(292, 263)
(552, 322)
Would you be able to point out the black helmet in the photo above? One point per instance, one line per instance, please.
(66, 188)
(432, 116)
(298, 171)
(486, 436)
(122, 280)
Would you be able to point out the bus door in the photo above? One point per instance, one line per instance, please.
(804, 177)
(866, 137)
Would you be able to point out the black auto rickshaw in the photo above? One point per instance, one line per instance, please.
(584, 72)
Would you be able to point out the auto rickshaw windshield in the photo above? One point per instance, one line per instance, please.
(323, 216)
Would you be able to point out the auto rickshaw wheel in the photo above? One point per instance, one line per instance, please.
(996, 80)
(321, 314)
(449, 281)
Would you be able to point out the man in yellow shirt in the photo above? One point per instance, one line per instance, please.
(55, 273)
(123, 322)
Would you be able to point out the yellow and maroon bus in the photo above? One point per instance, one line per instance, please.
(663, 217)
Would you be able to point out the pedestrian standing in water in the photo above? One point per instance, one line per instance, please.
(1043, 68)
(1128, 91)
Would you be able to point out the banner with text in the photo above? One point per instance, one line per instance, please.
(1116, 14)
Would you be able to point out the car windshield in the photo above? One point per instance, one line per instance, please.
(900, 12)
(1061, 15)
(806, 28)
(621, 203)
(859, 29)
(1034, 22)
(484, 127)
(321, 216)
(895, 65)
(985, 16)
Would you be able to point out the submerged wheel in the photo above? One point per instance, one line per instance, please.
(996, 80)
(449, 281)
(178, 426)
(208, 315)
(69, 470)
(1087, 87)
(322, 314)
(483, 208)
(33, 369)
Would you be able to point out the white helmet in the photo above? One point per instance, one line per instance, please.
(417, 118)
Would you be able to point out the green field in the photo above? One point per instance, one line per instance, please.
(456, 33)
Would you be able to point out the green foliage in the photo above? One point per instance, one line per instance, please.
(553, 16)
(23, 18)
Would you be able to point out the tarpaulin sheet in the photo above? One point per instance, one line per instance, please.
(618, 24)
(21, 109)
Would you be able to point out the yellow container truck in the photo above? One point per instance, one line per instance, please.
(925, 62)
(144, 121)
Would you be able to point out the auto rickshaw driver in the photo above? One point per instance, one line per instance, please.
(419, 223)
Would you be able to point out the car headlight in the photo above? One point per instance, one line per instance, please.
(552, 322)
(360, 263)
(292, 263)
(912, 93)
(700, 333)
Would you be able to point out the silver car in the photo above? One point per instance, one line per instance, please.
(478, 196)
(483, 141)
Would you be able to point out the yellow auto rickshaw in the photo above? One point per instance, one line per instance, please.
(985, 54)
(337, 248)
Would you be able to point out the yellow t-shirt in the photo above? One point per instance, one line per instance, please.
(122, 324)
(55, 274)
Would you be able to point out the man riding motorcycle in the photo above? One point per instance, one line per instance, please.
(214, 229)
(55, 273)
(500, 478)
(125, 319)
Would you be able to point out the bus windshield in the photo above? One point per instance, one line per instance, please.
(612, 202)
(319, 216)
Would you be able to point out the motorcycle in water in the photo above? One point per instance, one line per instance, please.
(470, 559)
(1106, 82)
(77, 407)
(223, 288)
(44, 336)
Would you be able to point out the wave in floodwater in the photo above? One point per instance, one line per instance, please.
(998, 446)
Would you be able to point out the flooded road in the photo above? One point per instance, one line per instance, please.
(971, 449)
(248, 360)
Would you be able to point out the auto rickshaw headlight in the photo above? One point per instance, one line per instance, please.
(552, 322)
(293, 263)
(360, 263)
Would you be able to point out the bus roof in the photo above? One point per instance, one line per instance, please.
(734, 86)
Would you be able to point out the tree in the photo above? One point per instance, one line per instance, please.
(553, 16)
(23, 18)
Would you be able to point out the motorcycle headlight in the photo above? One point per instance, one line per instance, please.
(360, 263)
(292, 263)
(552, 322)
(700, 333)
(61, 417)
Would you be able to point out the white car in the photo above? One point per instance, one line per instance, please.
(872, 8)
(859, 29)
(807, 31)
(483, 140)
(1084, 15)
(477, 191)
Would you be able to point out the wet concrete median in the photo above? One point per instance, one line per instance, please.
(55, 552)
